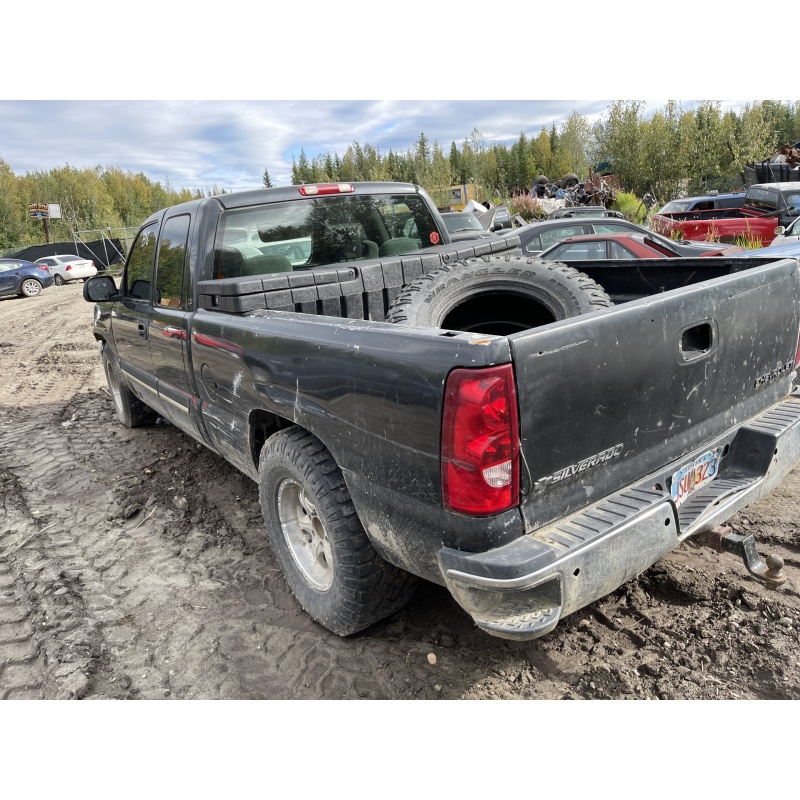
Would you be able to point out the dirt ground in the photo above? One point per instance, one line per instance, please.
(133, 564)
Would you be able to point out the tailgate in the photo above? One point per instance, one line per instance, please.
(608, 398)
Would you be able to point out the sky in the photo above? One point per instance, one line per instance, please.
(258, 85)
(200, 144)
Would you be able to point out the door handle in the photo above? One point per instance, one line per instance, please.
(142, 330)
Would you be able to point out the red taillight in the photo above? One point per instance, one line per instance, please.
(480, 441)
(69, 266)
(311, 190)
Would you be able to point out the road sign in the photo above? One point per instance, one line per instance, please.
(38, 211)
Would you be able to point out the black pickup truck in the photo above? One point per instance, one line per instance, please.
(526, 434)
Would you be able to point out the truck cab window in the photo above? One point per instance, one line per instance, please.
(139, 272)
(171, 255)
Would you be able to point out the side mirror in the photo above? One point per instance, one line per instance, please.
(780, 230)
(100, 289)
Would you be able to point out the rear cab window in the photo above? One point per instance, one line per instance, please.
(760, 199)
(318, 231)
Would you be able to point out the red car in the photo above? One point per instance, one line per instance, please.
(621, 246)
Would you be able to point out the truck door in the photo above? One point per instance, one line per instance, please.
(129, 320)
(168, 326)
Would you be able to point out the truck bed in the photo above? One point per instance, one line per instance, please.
(366, 289)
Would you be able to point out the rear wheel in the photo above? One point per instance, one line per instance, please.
(59, 280)
(130, 410)
(319, 541)
(30, 287)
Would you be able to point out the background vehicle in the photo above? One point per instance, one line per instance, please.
(765, 207)
(495, 219)
(65, 268)
(786, 234)
(684, 207)
(22, 277)
(538, 236)
(618, 246)
(463, 225)
(571, 212)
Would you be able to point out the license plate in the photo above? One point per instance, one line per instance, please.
(690, 478)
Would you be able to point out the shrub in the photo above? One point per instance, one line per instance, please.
(528, 208)
(631, 207)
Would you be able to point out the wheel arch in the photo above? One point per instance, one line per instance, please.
(263, 424)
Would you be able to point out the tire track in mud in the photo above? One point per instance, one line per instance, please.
(49, 351)
(21, 662)
(133, 564)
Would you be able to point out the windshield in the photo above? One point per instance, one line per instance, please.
(315, 231)
(461, 222)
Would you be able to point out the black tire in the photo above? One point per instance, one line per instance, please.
(497, 295)
(569, 181)
(130, 410)
(59, 281)
(30, 287)
(326, 556)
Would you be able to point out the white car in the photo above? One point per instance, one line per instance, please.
(787, 235)
(67, 268)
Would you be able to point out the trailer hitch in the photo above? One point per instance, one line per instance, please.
(723, 540)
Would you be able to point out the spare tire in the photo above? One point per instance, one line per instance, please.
(497, 295)
(569, 180)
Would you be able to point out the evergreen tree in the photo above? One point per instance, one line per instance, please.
(265, 180)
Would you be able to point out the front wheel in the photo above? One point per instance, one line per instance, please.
(130, 410)
(318, 540)
(30, 287)
(58, 280)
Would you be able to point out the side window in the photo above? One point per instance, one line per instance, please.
(704, 205)
(139, 272)
(171, 255)
(620, 251)
(533, 245)
(608, 227)
(549, 238)
(792, 200)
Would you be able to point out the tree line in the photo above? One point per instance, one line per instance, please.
(90, 199)
(668, 153)
(671, 152)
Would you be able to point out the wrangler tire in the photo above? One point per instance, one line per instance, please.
(497, 295)
(318, 540)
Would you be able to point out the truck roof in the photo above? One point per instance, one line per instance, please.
(792, 185)
(251, 197)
